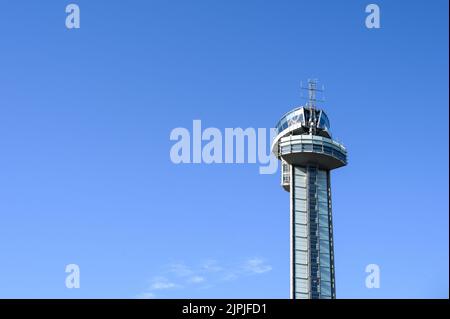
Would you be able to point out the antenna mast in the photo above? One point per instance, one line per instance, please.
(312, 89)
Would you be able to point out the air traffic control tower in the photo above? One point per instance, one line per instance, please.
(308, 153)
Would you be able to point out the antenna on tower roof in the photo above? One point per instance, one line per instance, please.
(312, 89)
(312, 100)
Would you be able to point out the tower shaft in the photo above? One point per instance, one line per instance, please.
(312, 257)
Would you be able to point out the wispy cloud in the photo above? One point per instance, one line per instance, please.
(211, 265)
(180, 269)
(146, 295)
(196, 279)
(205, 275)
(256, 266)
(229, 276)
(250, 266)
(160, 283)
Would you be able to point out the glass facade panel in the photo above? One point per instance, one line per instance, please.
(324, 246)
(300, 192)
(307, 147)
(324, 122)
(326, 289)
(325, 273)
(300, 230)
(302, 271)
(323, 206)
(325, 260)
(322, 193)
(323, 221)
(317, 148)
(301, 257)
(300, 204)
(301, 285)
(296, 148)
(300, 243)
(285, 149)
(324, 234)
(293, 117)
(301, 218)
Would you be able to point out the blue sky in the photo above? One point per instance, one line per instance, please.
(86, 176)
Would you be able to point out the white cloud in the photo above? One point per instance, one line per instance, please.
(160, 283)
(211, 265)
(256, 266)
(146, 295)
(196, 279)
(230, 276)
(180, 269)
(206, 275)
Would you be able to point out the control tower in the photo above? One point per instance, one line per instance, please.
(308, 153)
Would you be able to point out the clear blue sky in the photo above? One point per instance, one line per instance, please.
(85, 118)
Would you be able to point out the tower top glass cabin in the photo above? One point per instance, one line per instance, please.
(303, 136)
(302, 115)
